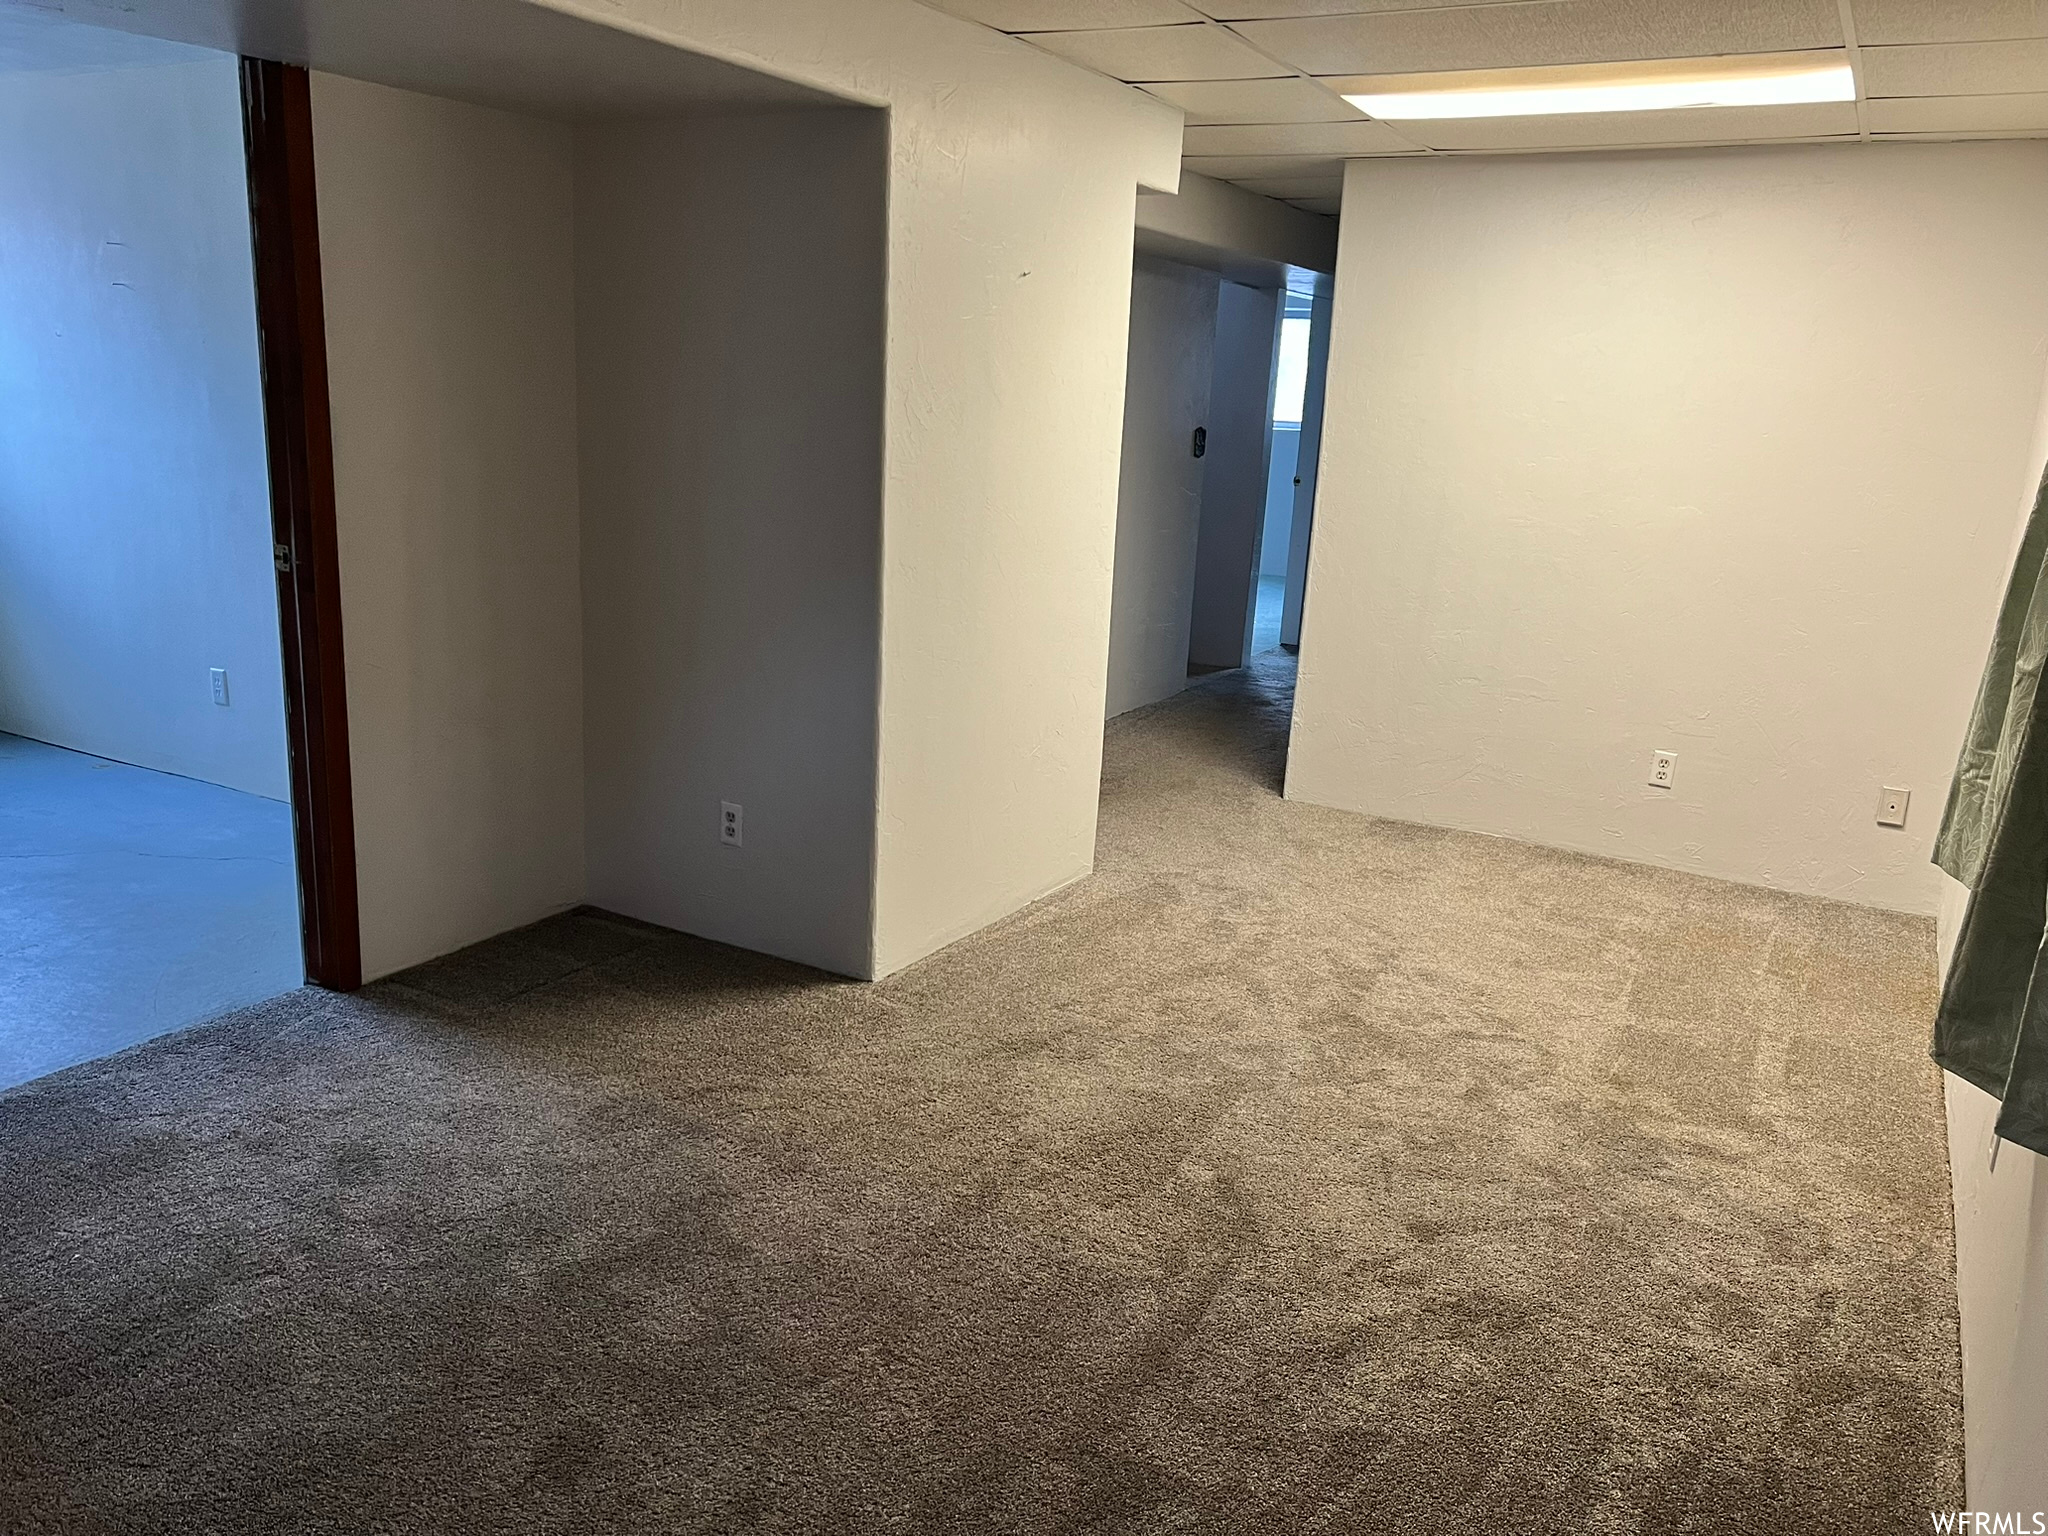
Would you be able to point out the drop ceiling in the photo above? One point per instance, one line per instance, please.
(1259, 80)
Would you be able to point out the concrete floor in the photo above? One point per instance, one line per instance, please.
(132, 903)
(1266, 619)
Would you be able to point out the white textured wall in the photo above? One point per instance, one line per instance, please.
(1712, 452)
(1308, 459)
(1286, 457)
(730, 278)
(1234, 475)
(1010, 245)
(447, 254)
(1159, 496)
(2001, 1234)
(134, 500)
(1214, 224)
(2002, 1286)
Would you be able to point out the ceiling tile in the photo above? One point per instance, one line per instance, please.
(1328, 207)
(1595, 130)
(1068, 15)
(1204, 52)
(1288, 188)
(1549, 32)
(1292, 100)
(1961, 114)
(1359, 138)
(1956, 69)
(1949, 21)
(1240, 167)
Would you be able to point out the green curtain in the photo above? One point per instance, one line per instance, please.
(1993, 1025)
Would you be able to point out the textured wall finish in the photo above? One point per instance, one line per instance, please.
(1234, 475)
(1214, 222)
(445, 234)
(134, 508)
(1713, 452)
(729, 345)
(1159, 497)
(2001, 1237)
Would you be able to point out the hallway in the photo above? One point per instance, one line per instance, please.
(131, 903)
(1297, 1171)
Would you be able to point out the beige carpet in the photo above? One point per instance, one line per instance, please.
(1297, 1172)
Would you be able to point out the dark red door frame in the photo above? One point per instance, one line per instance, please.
(277, 121)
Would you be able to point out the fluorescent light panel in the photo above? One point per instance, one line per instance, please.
(1662, 85)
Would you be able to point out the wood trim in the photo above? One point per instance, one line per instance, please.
(277, 122)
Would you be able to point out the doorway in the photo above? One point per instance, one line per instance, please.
(1285, 473)
(1221, 428)
(147, 864)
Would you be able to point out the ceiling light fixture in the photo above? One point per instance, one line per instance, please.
(1663, 85)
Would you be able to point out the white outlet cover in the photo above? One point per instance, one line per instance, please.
(1891, 806)
(1663, 769)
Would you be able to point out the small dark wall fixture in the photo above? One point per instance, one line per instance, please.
(277, 118)
(1201, 441)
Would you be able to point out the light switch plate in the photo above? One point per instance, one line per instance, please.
(1891, 806)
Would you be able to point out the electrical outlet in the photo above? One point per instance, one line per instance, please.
(1663, 769)
(729, 824)
(1891, 806)
(220, 686)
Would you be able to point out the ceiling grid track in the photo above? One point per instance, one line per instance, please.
(1285, 71)
(1855, 68)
